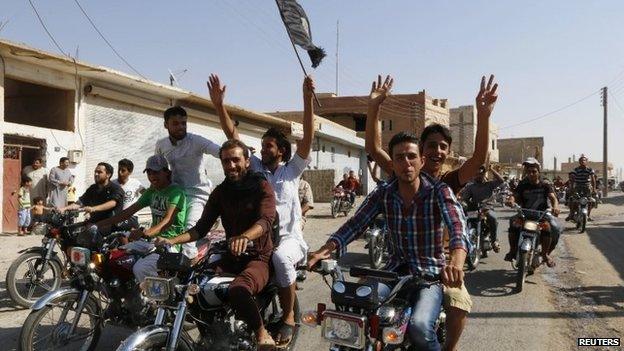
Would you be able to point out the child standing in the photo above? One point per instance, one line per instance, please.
(38, 210)
(23, 214)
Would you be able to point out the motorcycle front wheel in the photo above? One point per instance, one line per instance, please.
(335, 205)
(473, 258)
(523, 266)
(28, 278)
(582, 223)
(49, 327)
(376, 248)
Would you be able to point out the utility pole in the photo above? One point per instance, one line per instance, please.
(337, 48)
(604, 144)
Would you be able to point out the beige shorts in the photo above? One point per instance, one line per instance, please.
(458, 298)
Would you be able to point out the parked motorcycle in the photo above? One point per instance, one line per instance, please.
(372, 314)
(529, 245)
(340, 202)
(479, 234)
(102, 290)
(40, 269)
(379, 245)
(199, 295)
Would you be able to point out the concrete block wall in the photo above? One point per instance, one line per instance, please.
(322, 182)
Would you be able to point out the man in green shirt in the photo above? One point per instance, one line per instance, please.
(167, 202)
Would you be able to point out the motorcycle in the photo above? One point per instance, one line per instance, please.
(378, 237)
(501, 195)
(40, 269)
(583, 204)
(372, 314)
(199, 296)
(102, 290)
(340, 202)
(560, 192)
(529, 244)
(479, 234)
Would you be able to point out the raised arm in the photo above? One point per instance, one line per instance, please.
(497, 175)
(372, 140)
(125, 214)
(304, 146)
(485, 101)
(217, 93)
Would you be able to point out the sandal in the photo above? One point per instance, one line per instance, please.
(266, 344)
(549, 261)
(284, 335)
(509, 257)
(496, 246)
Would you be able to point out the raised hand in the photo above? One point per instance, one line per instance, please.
(308, 87)
(380, 91)
(216, 92)
(487, 97)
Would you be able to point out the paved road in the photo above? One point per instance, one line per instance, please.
(582, 297)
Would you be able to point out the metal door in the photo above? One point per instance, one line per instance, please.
(11, 184)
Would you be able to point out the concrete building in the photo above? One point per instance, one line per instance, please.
(401, 112)
(463, 125)
(514, 151)
(52, 106)
(567, 167)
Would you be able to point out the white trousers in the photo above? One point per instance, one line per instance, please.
(285, 259)
(194, 210)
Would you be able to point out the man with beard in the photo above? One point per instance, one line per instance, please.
(39, 176)
(102, 200)
(480, 190)
(417, 205)
(245, 202)
(283, 173)
(185, 154)
(60, 179)
(434, 146)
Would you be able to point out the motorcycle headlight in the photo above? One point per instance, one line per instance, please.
(345, 329)
(583, 201)
(157, 289)
(80, 256)
(40, 229)
(530, 226)
(339, 287)
(363, 291)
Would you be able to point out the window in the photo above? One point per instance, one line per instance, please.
(333, 154)
(493, 146)
(323, 149)
(349, 153)
(390, 125)
(383, 125)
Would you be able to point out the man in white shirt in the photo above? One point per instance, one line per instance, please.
(39, 176)
(132, 189)
(283, 172)
(185, 153)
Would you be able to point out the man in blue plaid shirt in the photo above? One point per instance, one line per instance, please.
(415, 205)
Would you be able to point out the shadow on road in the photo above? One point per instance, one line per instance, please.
(543, 315)
(493, 283)
(6, 304)
(614, 200)
(609, 296)
(610, 242)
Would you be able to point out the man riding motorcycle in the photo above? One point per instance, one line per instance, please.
(167, 203)
(283, 173)
(435, 146)
(245, 202)
(584, 185)
(533, 193)
(480, 190)
(418, 205)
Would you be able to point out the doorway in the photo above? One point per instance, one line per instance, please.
(18, 153)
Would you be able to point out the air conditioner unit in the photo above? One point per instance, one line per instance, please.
(75, 156)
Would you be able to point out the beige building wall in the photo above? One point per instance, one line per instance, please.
(516, 150)
(463, 126)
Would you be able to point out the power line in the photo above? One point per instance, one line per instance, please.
(58, 46)
(106, 40)
(551, 112)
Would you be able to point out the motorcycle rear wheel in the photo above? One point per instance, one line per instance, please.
(583, 223)
(89, 334)
(34, 290)
(523, 266)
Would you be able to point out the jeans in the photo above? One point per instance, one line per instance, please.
(23, 217)
(493, 225)
(426, 309)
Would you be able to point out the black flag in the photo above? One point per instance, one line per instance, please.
(298, 28)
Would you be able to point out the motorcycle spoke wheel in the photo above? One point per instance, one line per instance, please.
(28, 279)
(49, 328)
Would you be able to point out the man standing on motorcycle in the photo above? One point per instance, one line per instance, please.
(283, 173)
(167, 203)
(584, 185)
(416, 205)
(535, 194)
(434, 146)
(245, 202)
(480, 190)
(185, 154)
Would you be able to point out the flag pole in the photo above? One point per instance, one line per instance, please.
(295, 48)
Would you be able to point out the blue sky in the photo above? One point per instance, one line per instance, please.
(545, 54)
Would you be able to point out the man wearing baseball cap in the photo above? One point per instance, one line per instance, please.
(167, 202)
